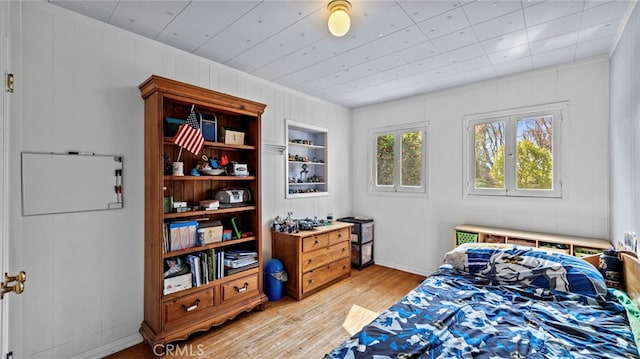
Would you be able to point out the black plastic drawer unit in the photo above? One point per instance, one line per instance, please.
(361, 241)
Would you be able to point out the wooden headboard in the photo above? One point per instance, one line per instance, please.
(631, 276)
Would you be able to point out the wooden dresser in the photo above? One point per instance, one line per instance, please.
(314, 259)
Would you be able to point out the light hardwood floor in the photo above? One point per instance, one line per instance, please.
(293, 329)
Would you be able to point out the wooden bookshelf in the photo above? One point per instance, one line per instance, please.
(177, 315)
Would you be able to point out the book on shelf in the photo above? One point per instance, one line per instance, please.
(210, 204)
(219, 264)
(211, 264)
(236, 263)
(237, 254)
(230, 271)
(204, 265)
(196, 269)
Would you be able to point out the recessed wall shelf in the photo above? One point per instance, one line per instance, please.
(307, 174)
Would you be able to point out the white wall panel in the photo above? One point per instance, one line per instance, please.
(625, 131)
(62, 307)
(148, 56)
(78, 89)
(42, 277)
(186, 69)
(39, 78)
(414, 233)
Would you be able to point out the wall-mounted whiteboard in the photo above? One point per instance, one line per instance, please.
(70, 182)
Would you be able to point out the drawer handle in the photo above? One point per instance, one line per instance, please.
(316, 242)
(192, 307)
(241, 289)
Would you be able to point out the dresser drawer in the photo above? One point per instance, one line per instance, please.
(324, 256)
(339, 236)
(240, 288)
(314, 242)
(323, 275)
(188, 305)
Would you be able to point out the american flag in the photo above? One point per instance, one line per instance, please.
(189, 135)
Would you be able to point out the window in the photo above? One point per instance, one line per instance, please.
(515, 154)
(399, 159)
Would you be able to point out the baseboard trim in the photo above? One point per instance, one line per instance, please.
(400, 267)
(111, 348)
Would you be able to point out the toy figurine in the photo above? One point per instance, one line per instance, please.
(303, 173)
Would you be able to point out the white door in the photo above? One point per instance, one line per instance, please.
(8, 336)
(4, 216)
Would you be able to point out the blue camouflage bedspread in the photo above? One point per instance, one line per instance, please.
(455, 314)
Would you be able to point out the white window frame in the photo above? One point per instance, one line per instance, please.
(397, 131)
(560, 112)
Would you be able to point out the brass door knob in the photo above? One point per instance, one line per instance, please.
(18, 287)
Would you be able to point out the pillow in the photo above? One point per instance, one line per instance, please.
(458, 256)
(529, 267)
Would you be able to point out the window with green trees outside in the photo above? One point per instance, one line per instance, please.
(515, 155)
(399, 159)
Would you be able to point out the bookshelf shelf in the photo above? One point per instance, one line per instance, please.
(209, 212)
(206, 294)
(305, 183)
(295, 144)
(308, 163)
(208, 246)
(210, 178)
(211, 144)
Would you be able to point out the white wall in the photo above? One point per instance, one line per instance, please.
(625, 131)
(78, 90)
(414, 232)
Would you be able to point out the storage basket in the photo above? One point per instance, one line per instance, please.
(465, 237)
(492, 238)
(583, 251)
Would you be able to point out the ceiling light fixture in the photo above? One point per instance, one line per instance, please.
(339, 21)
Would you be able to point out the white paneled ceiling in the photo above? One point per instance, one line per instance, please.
(394, 48)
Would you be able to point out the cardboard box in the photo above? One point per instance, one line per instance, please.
(177, 283)
(231, 137)
(212, 231)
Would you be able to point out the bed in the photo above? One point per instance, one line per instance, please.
(507, 302)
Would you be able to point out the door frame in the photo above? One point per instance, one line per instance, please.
(4, 173)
